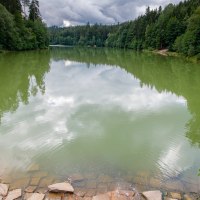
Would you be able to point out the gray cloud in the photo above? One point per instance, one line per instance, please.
(55, 12)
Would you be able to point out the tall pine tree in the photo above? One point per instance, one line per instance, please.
(34, 12)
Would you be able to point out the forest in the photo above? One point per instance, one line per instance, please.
(175, 27)
(21, 26)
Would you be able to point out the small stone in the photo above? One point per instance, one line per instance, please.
(153, 195)
(37, 196)
(30, 189)
(61, 187)
(3, 189)
(14, 194)
(101, 197)
(175, 195)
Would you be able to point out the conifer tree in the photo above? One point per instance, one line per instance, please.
(34, 12)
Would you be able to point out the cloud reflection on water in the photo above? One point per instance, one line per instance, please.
(43, 125)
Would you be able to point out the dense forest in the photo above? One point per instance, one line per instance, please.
(176, 27)
(21, 26)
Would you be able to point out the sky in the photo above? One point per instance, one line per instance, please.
(76, 12)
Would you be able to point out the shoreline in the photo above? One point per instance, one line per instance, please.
(95, 187)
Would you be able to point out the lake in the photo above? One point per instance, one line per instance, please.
(111, 116)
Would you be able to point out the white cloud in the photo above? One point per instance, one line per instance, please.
(75, 12)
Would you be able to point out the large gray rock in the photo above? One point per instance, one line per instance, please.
(36, 196)
(14, 194)
(61, 187)
(153, 195)
(3, 189)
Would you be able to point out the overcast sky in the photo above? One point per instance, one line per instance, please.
(73, 12)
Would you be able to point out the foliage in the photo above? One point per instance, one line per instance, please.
(176, 27)
(88, 35)
(19, 33)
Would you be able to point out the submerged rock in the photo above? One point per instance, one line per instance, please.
(61, 187)
(3, 189)
(153, 195)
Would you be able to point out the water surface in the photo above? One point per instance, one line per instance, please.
(112, 112)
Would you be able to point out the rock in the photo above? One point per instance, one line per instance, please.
(61, 187)
(167, 198)
(37, 196)
(153, 195)
(175, 195)
(30, 189)
(3, 189)
(14, 194)
(101, 197)
(187, 197)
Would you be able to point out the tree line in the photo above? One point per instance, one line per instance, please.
(21, 26)
(176, 27)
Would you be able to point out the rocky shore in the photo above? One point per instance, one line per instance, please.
(40, 185)
(74, 188)
(65, 191)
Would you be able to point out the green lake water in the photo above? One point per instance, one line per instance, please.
(100, 111)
